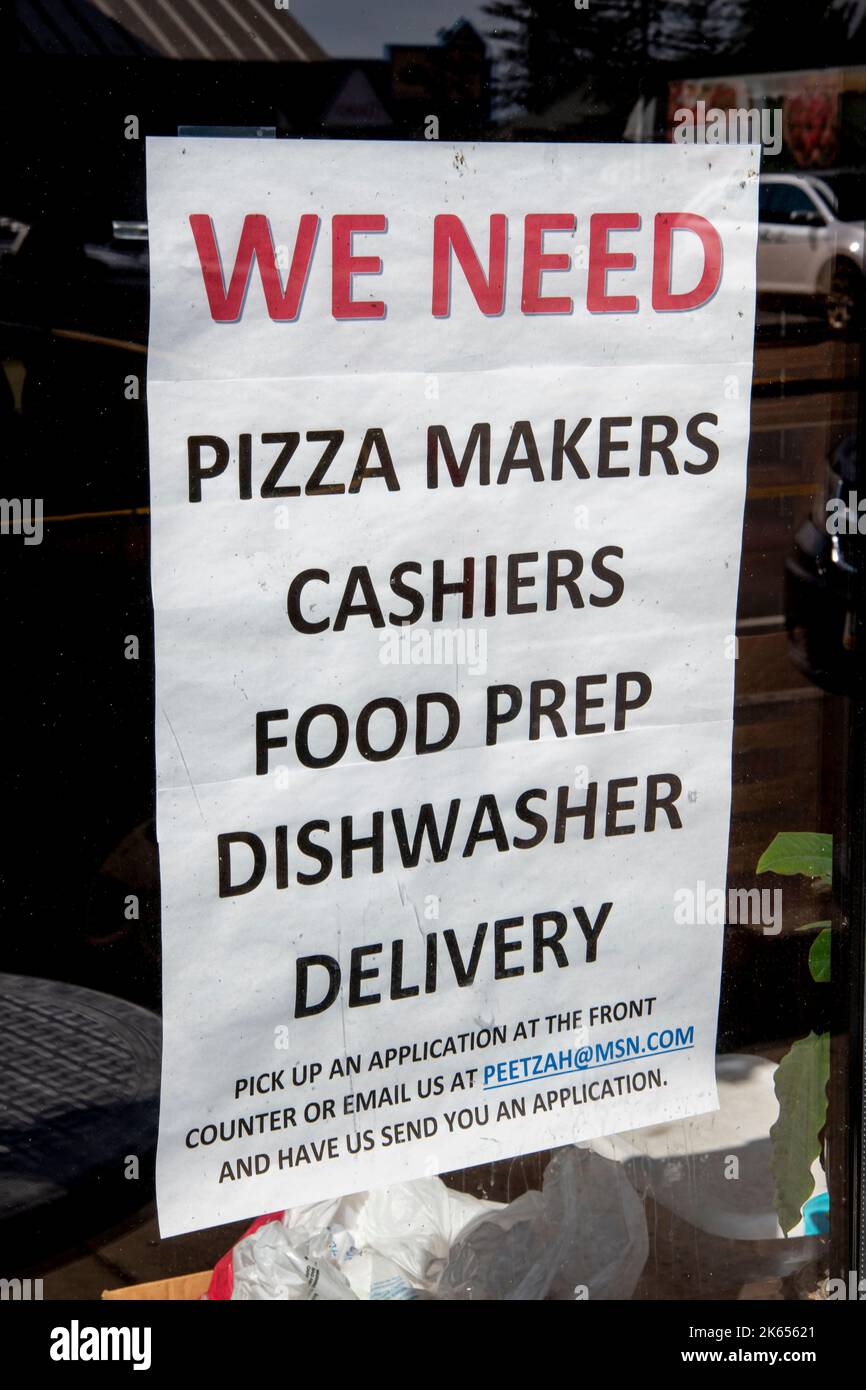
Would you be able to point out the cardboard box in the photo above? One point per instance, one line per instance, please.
(185, 1287)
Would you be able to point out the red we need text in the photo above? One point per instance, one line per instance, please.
(525, 249)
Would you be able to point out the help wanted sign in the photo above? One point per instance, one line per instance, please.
(448, 461)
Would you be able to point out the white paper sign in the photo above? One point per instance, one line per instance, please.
(448, 463)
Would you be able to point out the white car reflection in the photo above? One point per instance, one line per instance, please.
(808, 247)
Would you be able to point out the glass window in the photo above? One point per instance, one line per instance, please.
(762, 1200)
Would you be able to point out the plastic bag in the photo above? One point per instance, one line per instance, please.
(389, 1244)
(583, 1236)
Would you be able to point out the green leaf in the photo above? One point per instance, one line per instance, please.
(801, 1089)
(819, 956)
(798, 852)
